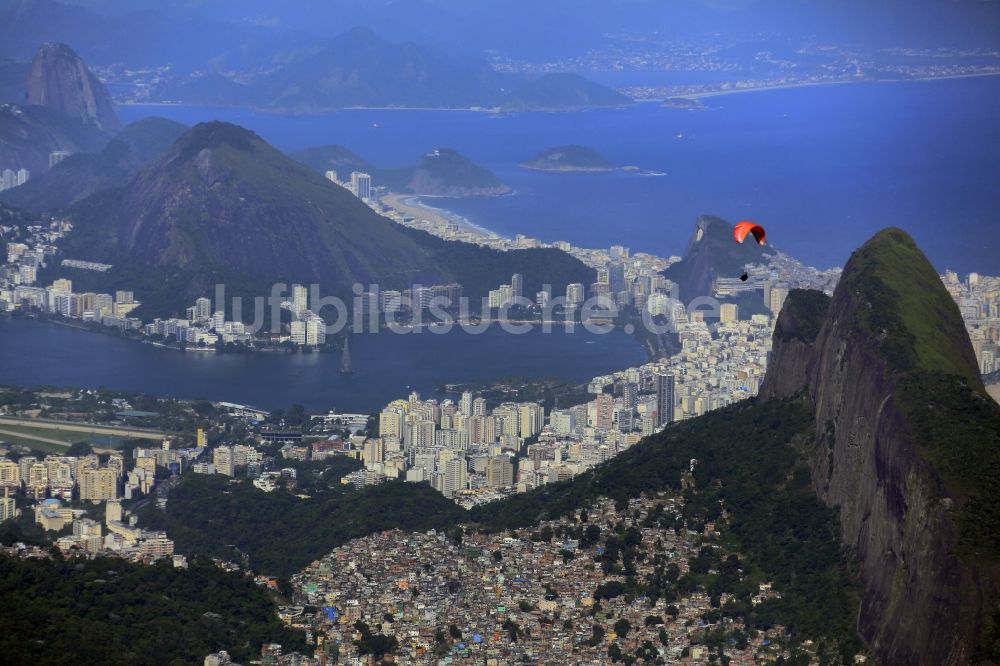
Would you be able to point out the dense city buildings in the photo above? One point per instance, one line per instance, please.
(548, 594)
(978, 298)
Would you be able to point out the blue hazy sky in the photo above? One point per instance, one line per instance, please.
(551, 27)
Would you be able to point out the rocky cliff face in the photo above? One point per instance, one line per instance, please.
(59, 79)
(889, 371)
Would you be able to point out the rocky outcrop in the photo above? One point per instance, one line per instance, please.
(889, 328)
(712, 253)
(794, 336)
(59, 79)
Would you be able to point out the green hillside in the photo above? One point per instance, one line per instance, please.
(908, 307)
(282, 533)
(108, 611)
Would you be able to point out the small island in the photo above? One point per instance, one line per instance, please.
(569, 159)
(684, 103)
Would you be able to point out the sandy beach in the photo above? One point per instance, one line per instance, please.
(412, 206)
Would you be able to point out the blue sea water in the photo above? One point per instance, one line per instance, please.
(821, 167)
(386, 365)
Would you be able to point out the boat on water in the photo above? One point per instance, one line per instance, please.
(653, 173)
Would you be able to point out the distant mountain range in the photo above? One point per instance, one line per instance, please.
(138, 38)
(361, 69)
(224, 63)
(177, 211)
(221, 205)
(443, 172)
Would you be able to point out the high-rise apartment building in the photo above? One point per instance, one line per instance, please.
(499, 472)
(361, 185)
(664, 399)
(517, 285)
(575, 294)
(300, 299)
(98, 484)
(10, 474)
(777, 298)
(456, 476)
(616, 277)
(202, 310)
(605, 408)
(222, 458)
(531, 419)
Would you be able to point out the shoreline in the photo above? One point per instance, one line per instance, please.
(412, 205)
(811, 84)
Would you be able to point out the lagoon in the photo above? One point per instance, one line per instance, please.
(386, 365)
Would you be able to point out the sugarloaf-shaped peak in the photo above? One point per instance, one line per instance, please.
(889, 290)
(58, 79)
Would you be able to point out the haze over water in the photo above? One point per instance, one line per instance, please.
(821, 167)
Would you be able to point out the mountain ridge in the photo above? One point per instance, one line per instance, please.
(359, 68)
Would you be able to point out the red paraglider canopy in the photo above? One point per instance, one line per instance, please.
(743, 228)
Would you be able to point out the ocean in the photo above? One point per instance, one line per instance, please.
(821, 167)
